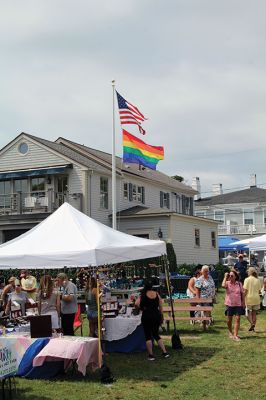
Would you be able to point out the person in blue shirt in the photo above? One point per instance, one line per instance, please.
(241, 266)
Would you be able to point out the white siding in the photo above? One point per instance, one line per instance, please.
(145, 225)
(37, 156)
(152, 194)
(183, 240)
(179, 231)
(98, 213)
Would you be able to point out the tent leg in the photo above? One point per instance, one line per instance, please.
(106, 375)
(176, 342)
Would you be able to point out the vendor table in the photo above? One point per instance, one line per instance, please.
(83, 350)
(19, 355)
(124, 334)
(125, 293)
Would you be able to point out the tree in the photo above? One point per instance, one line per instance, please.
(171, 257)
(178, 178)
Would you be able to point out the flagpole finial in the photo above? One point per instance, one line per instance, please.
(113, 82)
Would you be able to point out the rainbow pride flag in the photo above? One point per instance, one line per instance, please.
(138, 152)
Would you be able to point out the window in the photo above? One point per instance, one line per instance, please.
(213, 240)
(187, 205)
(164, 200)
(126, 191)
(264, 216)
(37, 184)
(142, 235)
(219, 215)
(21, 185)
(135, 193)
(248, 216)
(139, 194)
(5, 190)
(197, 237)
(178, 204)
(104, 193)
(201, 214)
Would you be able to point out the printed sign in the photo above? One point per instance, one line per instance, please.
(12, 350)
(8, 358)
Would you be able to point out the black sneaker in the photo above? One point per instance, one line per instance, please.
(252, 328)
(166, 355)
(151, 357)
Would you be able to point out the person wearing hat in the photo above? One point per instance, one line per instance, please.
(8, 289)
(241, 267)
(28, 284)
(252, 287)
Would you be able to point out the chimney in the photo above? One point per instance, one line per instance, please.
(196, 186)
(253, 180)
(217, 188)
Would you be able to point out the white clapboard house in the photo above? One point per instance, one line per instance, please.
(37, 176)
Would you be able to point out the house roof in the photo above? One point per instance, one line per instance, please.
(65, 151)
(250, 195)
(85, 155)
(141, 210)
(133, 169)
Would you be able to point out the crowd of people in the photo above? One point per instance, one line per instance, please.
(58, 298)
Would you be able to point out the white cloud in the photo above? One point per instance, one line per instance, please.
(196, 69)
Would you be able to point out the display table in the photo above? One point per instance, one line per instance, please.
(125, 293)
(124, 334)
(22, 356)
(83, 350)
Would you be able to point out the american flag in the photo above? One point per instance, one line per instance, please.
(129, 114)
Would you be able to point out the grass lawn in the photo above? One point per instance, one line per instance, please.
(211, 366)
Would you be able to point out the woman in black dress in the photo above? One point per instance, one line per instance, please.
(150, 304)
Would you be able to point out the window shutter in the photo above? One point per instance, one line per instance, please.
(130, 192)
(143, 194)
(161, 199)
(191, 206)
(168, 200)
(183, 204)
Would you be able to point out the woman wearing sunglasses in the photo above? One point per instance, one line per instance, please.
(234, 301)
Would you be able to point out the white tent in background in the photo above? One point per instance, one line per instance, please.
(257, 243)
(70, 238)
(254, 243)
(240, 242)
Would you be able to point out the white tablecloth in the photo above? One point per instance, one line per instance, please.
(120, 327)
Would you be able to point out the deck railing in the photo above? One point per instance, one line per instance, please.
(36, 202)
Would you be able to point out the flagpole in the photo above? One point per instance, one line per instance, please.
(113, 164)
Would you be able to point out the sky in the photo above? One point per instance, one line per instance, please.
(195, 68)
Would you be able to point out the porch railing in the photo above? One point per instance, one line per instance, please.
(251, 229)
(36, 202)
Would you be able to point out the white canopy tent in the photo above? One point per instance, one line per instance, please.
(70, 238)
(255, 243)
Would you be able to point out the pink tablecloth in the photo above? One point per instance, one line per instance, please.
(83, 350)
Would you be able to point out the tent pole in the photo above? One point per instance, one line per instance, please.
(176, 342)
(106, 375)
(99, 322)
